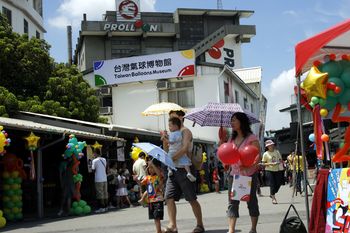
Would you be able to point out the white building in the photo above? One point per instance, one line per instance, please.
(211, 84)
(25, 16)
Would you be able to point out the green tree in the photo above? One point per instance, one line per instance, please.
(25, 64)
(77, 99)
(8, 103)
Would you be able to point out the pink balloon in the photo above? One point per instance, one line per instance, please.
(228, 154)
(248, 155)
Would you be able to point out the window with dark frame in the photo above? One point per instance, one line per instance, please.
(8, 14)
(37, 35)
(25, 26)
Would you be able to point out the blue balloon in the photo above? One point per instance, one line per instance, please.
(312, 137)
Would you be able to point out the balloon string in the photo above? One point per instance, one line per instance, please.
(32, 166)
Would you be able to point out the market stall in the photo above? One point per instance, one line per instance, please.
(325, 91)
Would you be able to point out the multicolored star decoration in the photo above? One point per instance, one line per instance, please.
(315, 84)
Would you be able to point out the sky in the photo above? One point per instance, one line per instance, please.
(280, 25)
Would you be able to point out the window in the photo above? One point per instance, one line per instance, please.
(37, 35)
(237, 97)
(38, 6)
(25, 26)
(8, 14)
(181, 93)
(245, 102)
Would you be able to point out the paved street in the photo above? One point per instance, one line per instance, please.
(136, 219)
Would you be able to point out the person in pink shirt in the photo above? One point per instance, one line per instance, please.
(242, 136)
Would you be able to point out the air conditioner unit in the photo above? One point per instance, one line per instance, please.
(106, 111)
(105, 91)
(163, 85)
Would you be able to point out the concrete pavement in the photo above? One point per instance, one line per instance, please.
(135, 219)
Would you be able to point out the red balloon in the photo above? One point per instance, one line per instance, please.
(248, 155)
(228, 154)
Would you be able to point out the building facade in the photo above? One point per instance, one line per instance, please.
(215, 36)
(25, 16)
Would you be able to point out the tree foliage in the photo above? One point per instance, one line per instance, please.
(25, 65)
(8, 103)
(67, 95)
(27, 71)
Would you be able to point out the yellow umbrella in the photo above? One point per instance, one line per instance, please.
(162, 109)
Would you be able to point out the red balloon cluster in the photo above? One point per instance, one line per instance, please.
(228, 154)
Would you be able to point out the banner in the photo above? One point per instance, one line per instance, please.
(143, 68)
(338, 193)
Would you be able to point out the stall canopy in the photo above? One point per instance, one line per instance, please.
(333, 40)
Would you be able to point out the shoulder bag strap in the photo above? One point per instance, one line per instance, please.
(291, 206)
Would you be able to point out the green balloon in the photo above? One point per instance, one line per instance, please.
(344, 63)
(18, 192)
(18, 204)
(78, 210)
(10, 216)
(315, 100)
(339, 83)
(341, 144)
(87, 209)
(75, 204)
(18, 180)
(330, 103)
(71, 210)
(9, 192)
(18, 216)
(9, 204)
(9, 181)
(345, 98)
(322, 102)
(345, 77)
(333, 68)
(82, 203)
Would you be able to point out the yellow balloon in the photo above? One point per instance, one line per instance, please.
(204, 157)
(315, 83)
(323, 112)
(6, 187)
(15, 174)
(1, 213)
(135, 153)
(5, 174)
(2, 222)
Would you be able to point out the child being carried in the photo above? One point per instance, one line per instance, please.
(175, 141)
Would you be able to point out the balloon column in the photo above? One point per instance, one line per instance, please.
(326, 89)
(4, 140)
(2, 220)
(74, 150)
(12, 175)
(32, 145)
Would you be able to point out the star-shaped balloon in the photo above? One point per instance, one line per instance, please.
(96, 146)
(315, 83)
(32, 141)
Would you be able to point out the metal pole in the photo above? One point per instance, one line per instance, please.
(303, 150)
